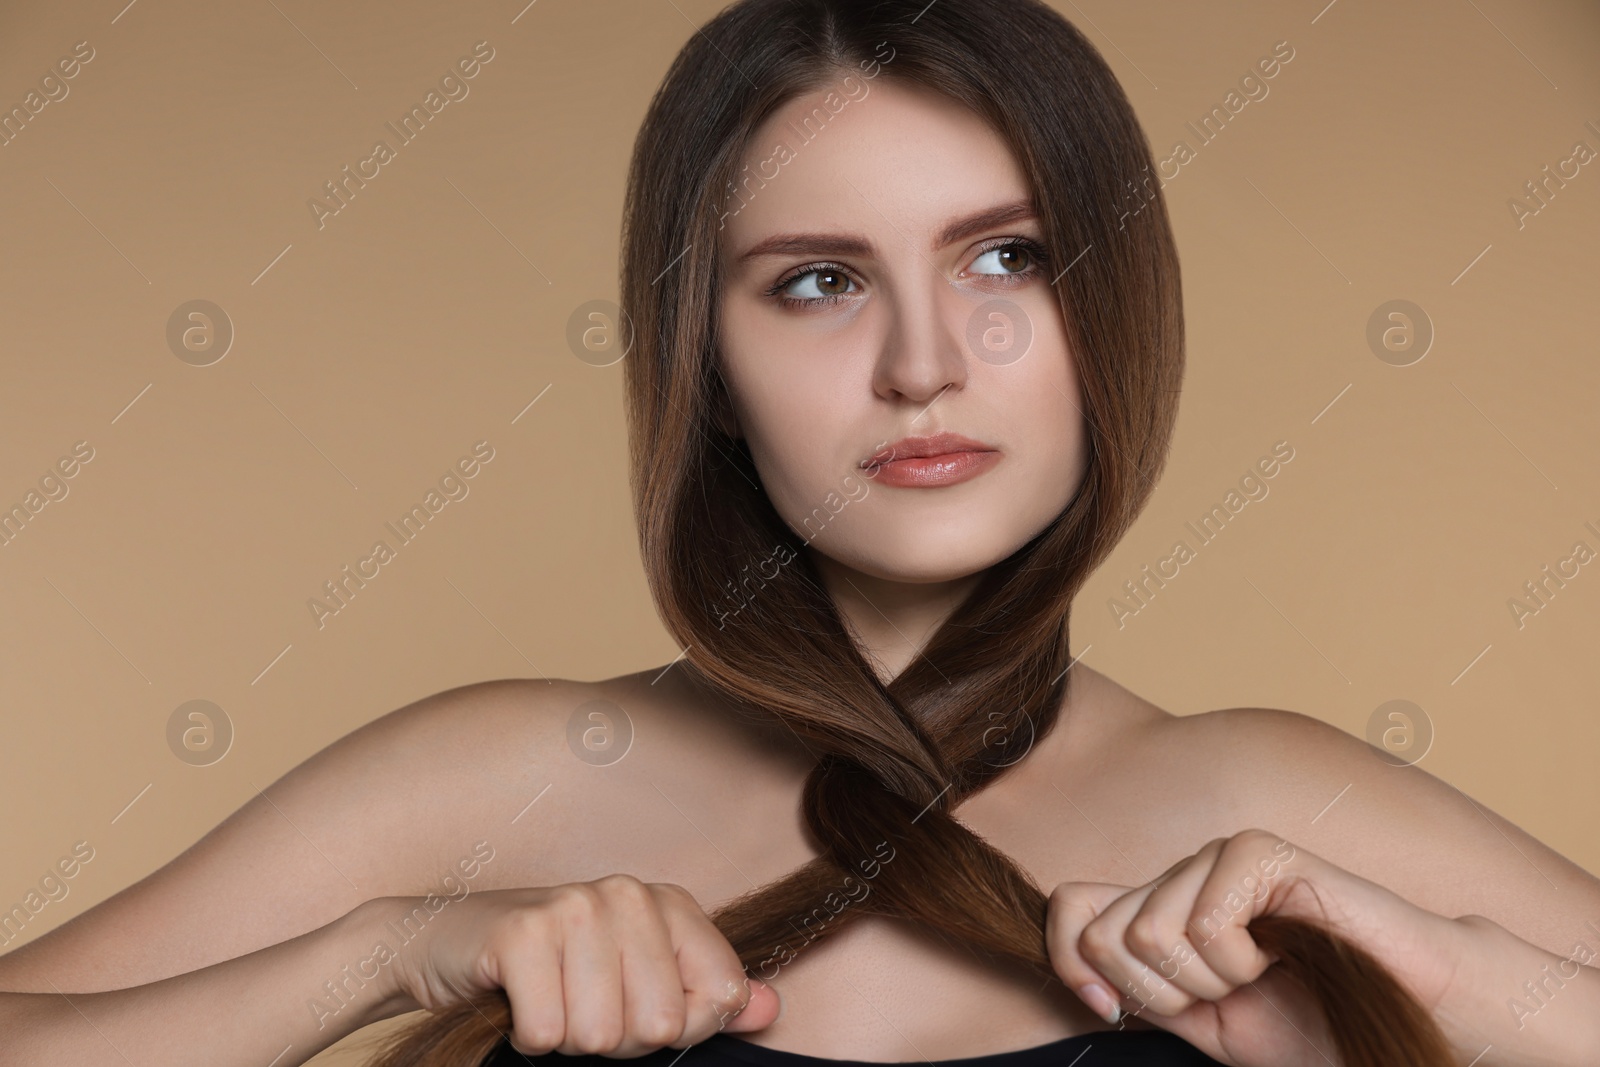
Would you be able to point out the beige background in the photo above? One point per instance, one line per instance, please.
(431, 311)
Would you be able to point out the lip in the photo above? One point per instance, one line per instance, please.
(928, 462)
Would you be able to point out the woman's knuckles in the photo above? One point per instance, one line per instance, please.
(1151, 937)
(661, 1027)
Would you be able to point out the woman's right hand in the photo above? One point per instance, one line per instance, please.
(615, 966)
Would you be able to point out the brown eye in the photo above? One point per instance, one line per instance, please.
(832, 282)
(818, 283)
(1015, 258)
(1010, 259)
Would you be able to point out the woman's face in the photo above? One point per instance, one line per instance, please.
(858, 310)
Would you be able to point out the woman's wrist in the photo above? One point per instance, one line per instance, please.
(371, 927)
(1514, 1004)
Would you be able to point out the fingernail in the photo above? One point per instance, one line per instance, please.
(1100, 1001)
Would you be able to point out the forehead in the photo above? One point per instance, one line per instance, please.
(873, 157)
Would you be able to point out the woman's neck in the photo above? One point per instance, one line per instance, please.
(890, 620)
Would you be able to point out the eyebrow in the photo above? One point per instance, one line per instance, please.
(840, 244)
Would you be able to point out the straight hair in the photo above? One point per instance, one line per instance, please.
(894, 759)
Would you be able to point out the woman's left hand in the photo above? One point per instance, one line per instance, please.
(1178, 951)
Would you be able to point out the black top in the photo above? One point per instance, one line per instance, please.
(1100, 1048)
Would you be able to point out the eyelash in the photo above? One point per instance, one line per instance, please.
(1035, 251)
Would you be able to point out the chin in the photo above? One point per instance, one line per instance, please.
(927, 558)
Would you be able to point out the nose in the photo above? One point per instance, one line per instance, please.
(923, 351)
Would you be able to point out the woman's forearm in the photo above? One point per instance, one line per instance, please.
(280, 1005)
(1524, 1006)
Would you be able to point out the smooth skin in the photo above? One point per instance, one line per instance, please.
(1134, 816)
(614, 965)
(1178, 948)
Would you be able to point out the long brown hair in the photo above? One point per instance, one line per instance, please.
(894, 758)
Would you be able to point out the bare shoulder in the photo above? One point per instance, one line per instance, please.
(382, 811)
(1377, 816)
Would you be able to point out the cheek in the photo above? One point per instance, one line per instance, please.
(1044, 403)
(791, 408)
(1042, 409)
(794, 437)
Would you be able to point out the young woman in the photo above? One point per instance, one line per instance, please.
(904, 367)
